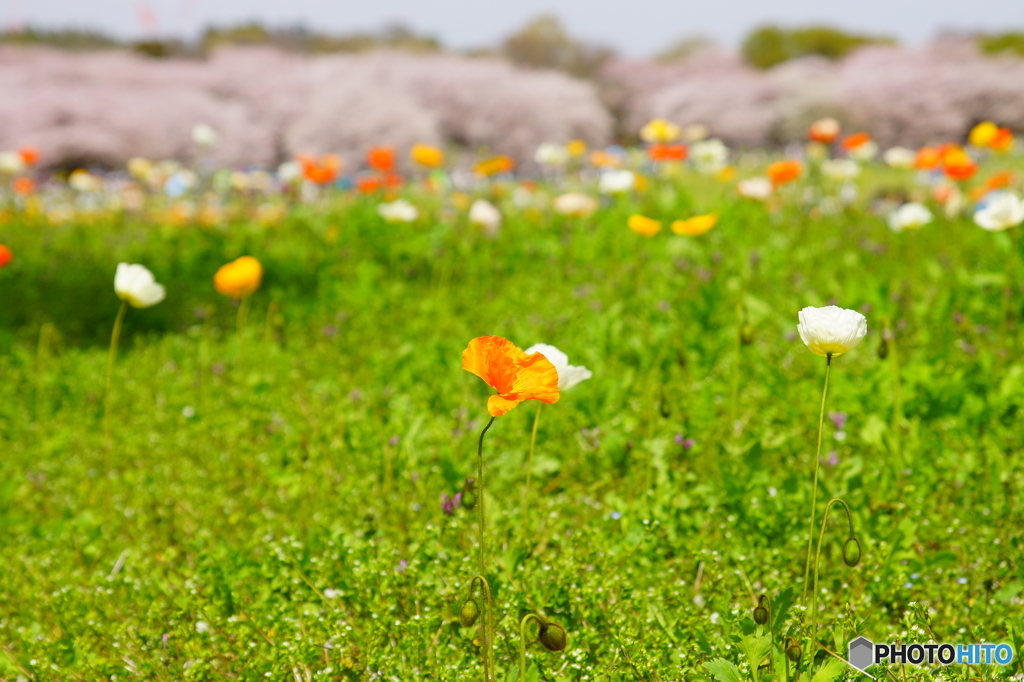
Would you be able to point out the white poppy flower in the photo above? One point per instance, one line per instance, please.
(398, 211)
(136, 285)
(831, 330)
(840, 170)
(909, 217)
(575, 204)
(568, 375)
(616, 181)
(709, 156)
(900, 157)
(486, 215)
(11, 163)
(755, 188)
(549, 154)
(289, 172)
(204, 136)
(1001, 211)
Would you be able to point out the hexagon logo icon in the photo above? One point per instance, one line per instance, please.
(861, 653)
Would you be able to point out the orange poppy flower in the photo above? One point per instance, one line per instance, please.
(1002, 140)
(928, 158)
(957, 165)
(239, 278)
(368, 184)
(514, 374)
(381, 158)
(856, 140)
(23, 186)
(695, 226)
(667, 152)
(641, 224)
(782, 172)
(30, 155)
(495, 165)
(6, 257)
(1000, 180)
(321, 172)
(824, 130)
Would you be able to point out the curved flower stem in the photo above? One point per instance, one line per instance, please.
(529, 471)
(243, 313)
(814, 490)
(488, 624)
(522, 642)
(817, 556)
(114, 337)
(481, 516)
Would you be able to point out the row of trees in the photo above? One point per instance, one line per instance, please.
(542, 43)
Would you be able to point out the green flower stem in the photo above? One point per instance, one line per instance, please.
(482, 549)
(814, 490)
(243, 313)
(817, 557)
(488, 625)
(522, 642)
(110, 367)
(529, 471)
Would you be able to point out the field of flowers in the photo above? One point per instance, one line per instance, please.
(669, 412)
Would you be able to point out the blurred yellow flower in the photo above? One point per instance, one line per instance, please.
(576, 148)
(695, 226)
(659, 130)
(983, 134)
(648, 227)
(495, 165)
(727, 174)
(427, 155)
(239, 278)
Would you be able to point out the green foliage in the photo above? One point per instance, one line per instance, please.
(767, 46)
(1011, 42)
(543, 43)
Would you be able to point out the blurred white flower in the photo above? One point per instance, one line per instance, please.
(840, 170)
(84, 181)
(755, 188)
(289, 172)
(909, 216)
(568, 375)
(180, 182)
(1000, 211)
(136, 285)
(616, 181)
(11, 163)
(486, 215)
(549, 154)
(575, 204)
(398, 211)
(900, 157)
(864, 152)
(204, 136)
(710, 156)
(831, 330)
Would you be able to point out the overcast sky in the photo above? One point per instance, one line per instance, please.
(635, 27)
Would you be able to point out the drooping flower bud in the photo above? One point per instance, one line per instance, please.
(793, 651)
(552, 636)
(851, 551)
(747, 334)
(469, 613)
(761, 615)
(883, 349)
(469, 493)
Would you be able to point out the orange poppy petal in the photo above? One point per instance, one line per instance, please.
(493, 359)
(536, 379)
(498, 405)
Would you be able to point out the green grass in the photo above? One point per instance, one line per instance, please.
(292, 529)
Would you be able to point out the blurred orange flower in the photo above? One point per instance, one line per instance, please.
(427, 155)
(856, 140)
(322, 171)
(957, 165)
(824, 130)
(30, 155)
(667, 152)
(514, 374)
(23, 186)
(368, 184)
(648, 227)
(603, 159)
(695, 226)
(239, 278)
(1002, 141)
(1000, 180)
(928, 158)
(381, 159)
(6, 257)
(782, 172)
(495, 165)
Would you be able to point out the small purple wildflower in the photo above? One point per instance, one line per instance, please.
(791, 336)
(450, 504)
(839, 419)
(616, 515)
(394, 440)
(402, 565)
(833, 459)
(164, 639)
